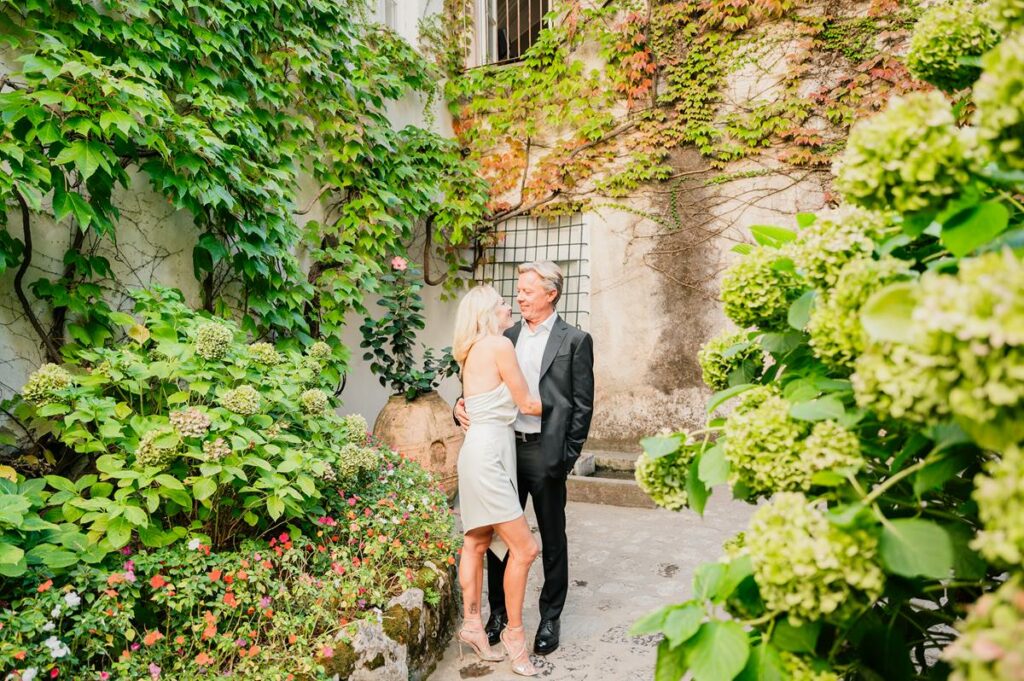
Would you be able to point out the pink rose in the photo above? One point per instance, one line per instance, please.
(399, 263)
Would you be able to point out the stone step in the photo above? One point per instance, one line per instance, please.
(610, 491)
(614, 460)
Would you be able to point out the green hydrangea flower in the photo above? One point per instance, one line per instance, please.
(243, 400)
(1005, 15)
(823, 248)
(942, 36)
(755, 293)
(354, 428)
(663, 479)
(264, 353)
(149, 454)
(44, 382)
(354, 459)
(910, 157)
(989, 646)
(764, 445)
(314, 401)
(999, 98)
(901, 382)
(725, 353)
(807, 567)
(829, 447)
(999, 492)
(836, 334)
(213, 340)
(319, 350)
(191, 422)
(800, 668)
(974, 322)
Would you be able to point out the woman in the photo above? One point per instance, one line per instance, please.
(493, 386)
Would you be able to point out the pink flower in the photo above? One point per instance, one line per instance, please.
(327, 651)
(129, 566)
(154, 671)
(104, 676)
(399, 263)
(265, 602)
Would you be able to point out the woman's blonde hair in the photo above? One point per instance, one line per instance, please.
(477, 317)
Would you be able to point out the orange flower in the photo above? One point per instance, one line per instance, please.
(20, 655)
(204, 660)
(229, 599)
(152, 637)
(229, 578)
(268, 613)
(243, 575)
(254, 651)
(245, 563)
(214, 575)
(111, 592)
(292, 638)
(45, 586)
(179, 640)
(157, 581)
(115, 578)
(211, 625)
(125, 655)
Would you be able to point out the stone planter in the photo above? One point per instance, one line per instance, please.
(408, 637)
(423, 430)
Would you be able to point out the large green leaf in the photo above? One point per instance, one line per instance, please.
(203, 488)
(671, 662)
(974, 227)
(713, 467)
(88, 156)
(827, 407)
(681, 623)
(764, 664)
(658, 446)
(718, 652)
(696, 492)
(772, 236)
(10, 554)
(797, 639)
(886, 316)
(800, 310)
(912, 547)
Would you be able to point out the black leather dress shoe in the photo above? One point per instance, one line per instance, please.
(547, 637)
(495, 623)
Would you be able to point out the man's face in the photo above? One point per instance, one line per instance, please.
(535, 302)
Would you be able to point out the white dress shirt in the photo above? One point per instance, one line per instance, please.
(530, 353)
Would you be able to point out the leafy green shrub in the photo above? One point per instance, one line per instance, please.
(729, 359)
(895, 491)
(1005, 15)
(663, 478)
(192, 430)
(999, 97)
(942, 37)
(909, 158)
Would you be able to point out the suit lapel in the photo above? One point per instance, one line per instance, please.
(554, 342)
(512, 333)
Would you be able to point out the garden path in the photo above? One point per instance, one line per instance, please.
(623, 563)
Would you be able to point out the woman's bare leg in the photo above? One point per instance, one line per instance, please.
(471, 569)
(523, 550)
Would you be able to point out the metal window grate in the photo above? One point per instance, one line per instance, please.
(564, 240)
(510, 28)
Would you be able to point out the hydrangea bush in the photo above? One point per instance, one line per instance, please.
(886, 429)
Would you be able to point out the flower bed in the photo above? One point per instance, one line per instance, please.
(225, 521)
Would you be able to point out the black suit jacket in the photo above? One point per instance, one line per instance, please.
(566, 394)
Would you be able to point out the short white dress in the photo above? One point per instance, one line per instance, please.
(488, 491)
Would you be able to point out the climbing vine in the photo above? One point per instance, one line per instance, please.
(562, 130)
(222, 107)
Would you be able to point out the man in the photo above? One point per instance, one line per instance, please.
(558, 363)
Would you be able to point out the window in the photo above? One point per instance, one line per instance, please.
(563, 240)
(509, 28)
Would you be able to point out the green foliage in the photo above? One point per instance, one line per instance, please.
(895, 491)
(946, 35)
(189, 431)
(221, 106)
(664, 477)
(1005, 15)
(391, 340)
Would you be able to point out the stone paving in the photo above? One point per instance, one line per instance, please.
(623, 563)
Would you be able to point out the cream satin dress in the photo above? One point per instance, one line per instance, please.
(488, 491)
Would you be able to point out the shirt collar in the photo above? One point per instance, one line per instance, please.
(545, 325)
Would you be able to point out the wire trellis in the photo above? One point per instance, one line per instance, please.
(564, 240)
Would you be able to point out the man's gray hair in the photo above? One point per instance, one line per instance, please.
(550, 274)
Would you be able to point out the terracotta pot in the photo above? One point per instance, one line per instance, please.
(423, 430)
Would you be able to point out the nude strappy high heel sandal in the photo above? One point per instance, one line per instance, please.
(520, 659)
(485, 654)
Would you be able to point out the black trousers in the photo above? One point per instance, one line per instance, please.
(549, 497)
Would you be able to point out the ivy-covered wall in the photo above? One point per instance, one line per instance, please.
(675, 126)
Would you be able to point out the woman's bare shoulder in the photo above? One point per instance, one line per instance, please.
(495, 343)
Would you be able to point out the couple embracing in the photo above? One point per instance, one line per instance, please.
(528, 399)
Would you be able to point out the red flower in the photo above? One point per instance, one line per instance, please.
(211, 626)
(214, 575)
(54, 673)
(228, 578)
(229, 599)
(20, 655)
(45, 586)
(157, 581)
